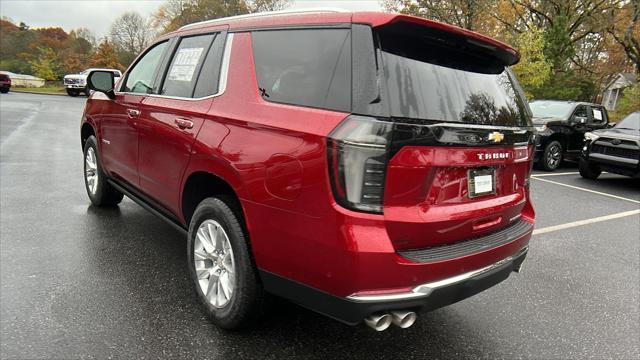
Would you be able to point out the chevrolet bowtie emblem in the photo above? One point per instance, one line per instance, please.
(496, 137)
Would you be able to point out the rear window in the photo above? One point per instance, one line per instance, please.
(429, 79)
(304, 67)
(4, 77)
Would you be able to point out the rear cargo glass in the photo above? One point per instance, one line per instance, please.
(429, 78)
(310, 67)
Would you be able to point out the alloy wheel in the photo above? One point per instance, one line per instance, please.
(553, 157)
(214, 264)
(91, 170)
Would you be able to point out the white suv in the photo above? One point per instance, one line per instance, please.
(77, 83)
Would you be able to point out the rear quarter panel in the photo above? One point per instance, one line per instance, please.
(274, 156)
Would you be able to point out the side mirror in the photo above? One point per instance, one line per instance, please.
(102, 81)
(579, 120)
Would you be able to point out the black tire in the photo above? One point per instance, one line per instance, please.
(4, 90)
(247, 300)
(72, 92)
(105, 194)
(588, 170)
(551, 157)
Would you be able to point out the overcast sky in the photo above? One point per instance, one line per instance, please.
(97, 15)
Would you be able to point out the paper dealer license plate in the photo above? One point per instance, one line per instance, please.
(481, 182)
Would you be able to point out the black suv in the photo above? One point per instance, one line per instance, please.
(615, 150)
(561, 127)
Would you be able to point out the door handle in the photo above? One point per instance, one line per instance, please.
(133, 113)
(184, 123)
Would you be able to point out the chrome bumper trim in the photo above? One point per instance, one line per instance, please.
(424, 290)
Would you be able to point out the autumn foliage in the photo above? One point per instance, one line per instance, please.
(569, 48)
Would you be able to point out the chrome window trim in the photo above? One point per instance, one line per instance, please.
(516, 129)
(424, 290)
(222, 85)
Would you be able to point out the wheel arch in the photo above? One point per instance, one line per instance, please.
(561, 138)
(86, 130)
(201, 184)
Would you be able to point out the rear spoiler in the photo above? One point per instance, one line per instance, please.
(502, 52)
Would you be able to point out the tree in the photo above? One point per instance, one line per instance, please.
(628, 103)
(44, 65)
(106, 56)
(130, 34)
(77, 50)
(567, 86)
(462, 13)
(176, 13)
(268, 5)
(625, 30)
(534, 69)
(167, 17)
(15, 40)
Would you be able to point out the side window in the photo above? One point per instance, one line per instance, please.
(185, 66)
(581, 111)
(208, 81)
(140, 78)
(304, 67)
(598, 115)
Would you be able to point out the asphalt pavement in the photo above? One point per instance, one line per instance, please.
(83, 282)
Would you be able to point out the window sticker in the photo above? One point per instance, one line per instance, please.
(184, 64)
(597, 114)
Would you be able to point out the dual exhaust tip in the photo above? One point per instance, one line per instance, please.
(381, 321)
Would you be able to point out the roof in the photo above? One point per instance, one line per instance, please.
(329, 16)
(574, 103)
(226, 20)
(626, 79)
(20, 76)
(630, 77)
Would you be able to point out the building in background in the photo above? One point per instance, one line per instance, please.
(613, 91)
(21, 80)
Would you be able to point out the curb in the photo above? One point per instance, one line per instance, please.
(37, 93)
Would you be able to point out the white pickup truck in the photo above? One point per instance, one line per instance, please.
(77, 83)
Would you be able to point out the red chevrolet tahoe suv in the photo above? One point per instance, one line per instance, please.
(364, 165)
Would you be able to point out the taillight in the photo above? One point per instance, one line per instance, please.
(358, 155)
(530, 155)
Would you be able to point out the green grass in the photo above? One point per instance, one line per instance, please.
(42, 90)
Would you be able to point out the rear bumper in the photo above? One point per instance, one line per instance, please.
(428, 296)
(334, 263)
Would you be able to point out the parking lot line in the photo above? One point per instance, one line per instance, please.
(585, 222)
(588, 190)
(556, 174)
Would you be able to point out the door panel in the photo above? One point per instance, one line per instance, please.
(165, 145)
(119, 125)
(576, 135)
(119, 138)
(170, 123)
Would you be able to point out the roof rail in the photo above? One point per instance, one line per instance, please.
(266, 13)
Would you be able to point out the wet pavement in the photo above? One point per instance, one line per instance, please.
(78, 281)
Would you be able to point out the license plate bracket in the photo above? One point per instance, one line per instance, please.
(481, 182)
